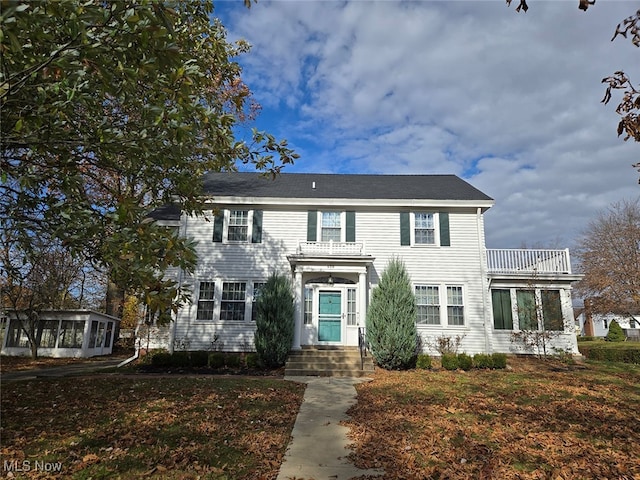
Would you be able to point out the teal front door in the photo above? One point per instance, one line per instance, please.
(329, 316)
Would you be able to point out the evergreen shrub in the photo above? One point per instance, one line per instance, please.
(180, 359)
(391, 319)
(233, 360)
(161, 359)
(615, 333)
(216, 360)
(499, 360)
(423, 362)
(465, 362)
(449, 361)
(199, 358)
(482, 360)
(274, 321)
(252, 361)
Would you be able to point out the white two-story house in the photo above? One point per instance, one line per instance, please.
(333, 235)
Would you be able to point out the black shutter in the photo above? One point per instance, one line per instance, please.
(218, 222)
(256, 234)
(445, 238)
(312, 225)
(351, 227)
(405, 229)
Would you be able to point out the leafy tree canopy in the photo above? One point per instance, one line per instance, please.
(111, 109)
(609, 254)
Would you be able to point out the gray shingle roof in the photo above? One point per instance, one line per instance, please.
(327, 186)
(348, 186)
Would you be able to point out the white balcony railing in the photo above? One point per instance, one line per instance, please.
(514, 261)
(331, 248)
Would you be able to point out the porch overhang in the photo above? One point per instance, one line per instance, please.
(325, 263)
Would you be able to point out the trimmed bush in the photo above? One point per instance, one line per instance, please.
(180, 359)
(274, 321)
(606, 353)
(216, 360)
(615, 333)
(499, 360)
(252, 361)
(465, 362)
(199, 359)
(391, 319)
(233, 360)
(423, 362)
(161, 359)
(588, 339)
(482, 360)
(449, 361)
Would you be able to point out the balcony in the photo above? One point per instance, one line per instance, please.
(331, 248)
(515, 261)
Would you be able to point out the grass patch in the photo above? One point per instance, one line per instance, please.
(536, 420)
(161, 427)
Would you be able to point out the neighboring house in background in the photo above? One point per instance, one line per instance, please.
(333, 235)
(62, 333)
(597, 325)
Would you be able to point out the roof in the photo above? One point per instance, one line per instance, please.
(333, 186)
(347, 186)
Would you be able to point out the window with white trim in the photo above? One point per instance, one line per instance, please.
(238, 228)
(424, 228)
(428, 303)
(206, 301)
(233, 303)
(331, 227)
(455, 306)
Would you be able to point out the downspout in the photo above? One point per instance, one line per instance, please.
(172, 337)
(485, 286)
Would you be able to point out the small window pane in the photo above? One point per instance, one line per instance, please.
(351, 306)
(71, 333)
(48, 333)
(501, 302)
(552, 310)
(527, 316)
(308, 306)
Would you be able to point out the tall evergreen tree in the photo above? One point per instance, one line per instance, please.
(274, 321)
(391, 320)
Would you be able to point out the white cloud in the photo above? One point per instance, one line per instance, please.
(509, 101)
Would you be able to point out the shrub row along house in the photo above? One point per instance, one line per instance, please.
(334, 235)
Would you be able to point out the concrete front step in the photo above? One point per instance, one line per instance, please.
(324, 362)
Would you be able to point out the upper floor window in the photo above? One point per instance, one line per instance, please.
(238, 226)
(424, 228)
(331, 226)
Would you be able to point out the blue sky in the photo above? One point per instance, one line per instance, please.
(508, 101)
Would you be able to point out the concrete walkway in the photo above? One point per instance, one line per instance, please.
(318, 449)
